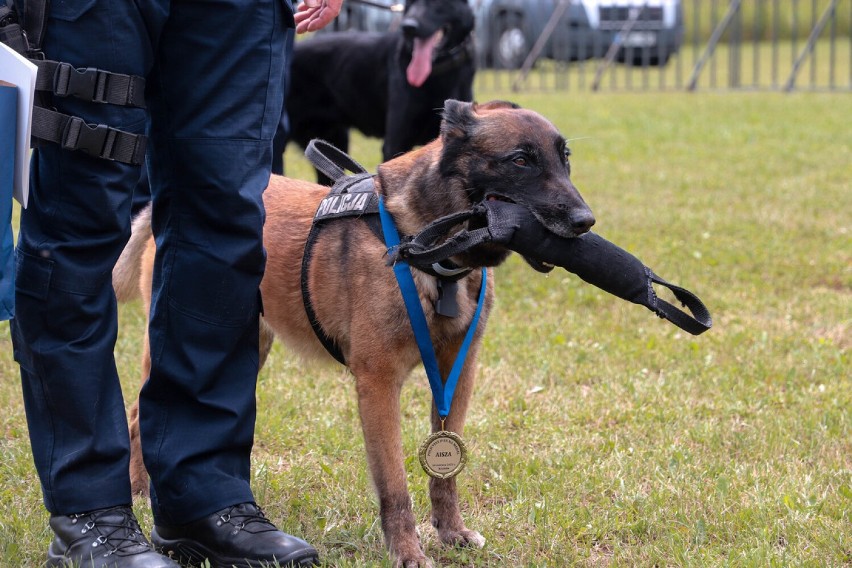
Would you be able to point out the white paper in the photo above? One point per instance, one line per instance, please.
(16, 69)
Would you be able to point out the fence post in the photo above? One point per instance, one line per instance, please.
(539, 44)
(809, 47)
(613, 48)
(733, 8)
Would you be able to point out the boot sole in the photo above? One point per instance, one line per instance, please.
(191, 553)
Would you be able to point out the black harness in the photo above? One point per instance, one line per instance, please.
(355, 196)
(23, 31)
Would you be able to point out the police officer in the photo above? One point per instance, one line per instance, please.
(213, 72)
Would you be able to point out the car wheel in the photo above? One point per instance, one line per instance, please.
(511, 47)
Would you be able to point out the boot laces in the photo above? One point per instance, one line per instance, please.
(246, 517)
(117, 529)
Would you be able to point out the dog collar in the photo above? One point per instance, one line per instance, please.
(454, 58)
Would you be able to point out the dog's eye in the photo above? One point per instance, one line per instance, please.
(520, 161)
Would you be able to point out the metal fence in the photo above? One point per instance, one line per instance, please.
(782, 45)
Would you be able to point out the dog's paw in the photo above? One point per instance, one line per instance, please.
(420, 562)
(409, 554)
(463, 537)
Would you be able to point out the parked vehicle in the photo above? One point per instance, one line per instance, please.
(646, 32)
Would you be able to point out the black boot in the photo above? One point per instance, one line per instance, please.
(105, 538)
(239, 536)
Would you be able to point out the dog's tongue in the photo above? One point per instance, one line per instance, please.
(421, 59)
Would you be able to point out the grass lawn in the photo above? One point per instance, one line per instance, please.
(600, 435)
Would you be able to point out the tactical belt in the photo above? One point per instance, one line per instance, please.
(64, 80)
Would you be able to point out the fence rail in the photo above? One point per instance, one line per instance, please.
(781, 45)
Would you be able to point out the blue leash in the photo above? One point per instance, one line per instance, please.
(441, 391)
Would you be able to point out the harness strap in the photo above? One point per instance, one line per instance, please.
(99, 140)
(420, 249)
(327, 341)
(25, 34)
(90, 84)
(331, 161)
(351, 195)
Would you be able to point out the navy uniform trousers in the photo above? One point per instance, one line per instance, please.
(214, 74)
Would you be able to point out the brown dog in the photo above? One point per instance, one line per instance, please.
(490, 151)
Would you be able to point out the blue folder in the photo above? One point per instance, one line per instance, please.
(8, 129)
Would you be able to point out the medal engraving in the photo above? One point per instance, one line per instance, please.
(443, 454)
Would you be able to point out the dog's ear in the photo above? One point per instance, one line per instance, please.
(458, 119)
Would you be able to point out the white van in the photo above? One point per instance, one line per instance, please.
(647, 32)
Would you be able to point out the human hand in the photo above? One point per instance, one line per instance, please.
(312, 15)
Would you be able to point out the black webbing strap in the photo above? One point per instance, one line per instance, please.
(419, 250)
(327, 341)
(698, 323)
(355, 196)
(72, 133)
(331, 161)
(351, 196)
(90, 84)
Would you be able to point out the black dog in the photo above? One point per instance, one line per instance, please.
(387, 85)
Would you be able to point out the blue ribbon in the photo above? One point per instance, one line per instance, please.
(441, 391)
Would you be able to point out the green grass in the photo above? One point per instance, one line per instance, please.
(600, 435)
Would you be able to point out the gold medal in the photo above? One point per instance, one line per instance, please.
(443, 454)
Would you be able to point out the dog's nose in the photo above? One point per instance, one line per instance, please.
(410, 26)
(582, 221)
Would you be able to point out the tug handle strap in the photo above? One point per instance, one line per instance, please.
(590, 256)
(331, 161)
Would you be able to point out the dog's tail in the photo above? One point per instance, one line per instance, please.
(128, 269)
